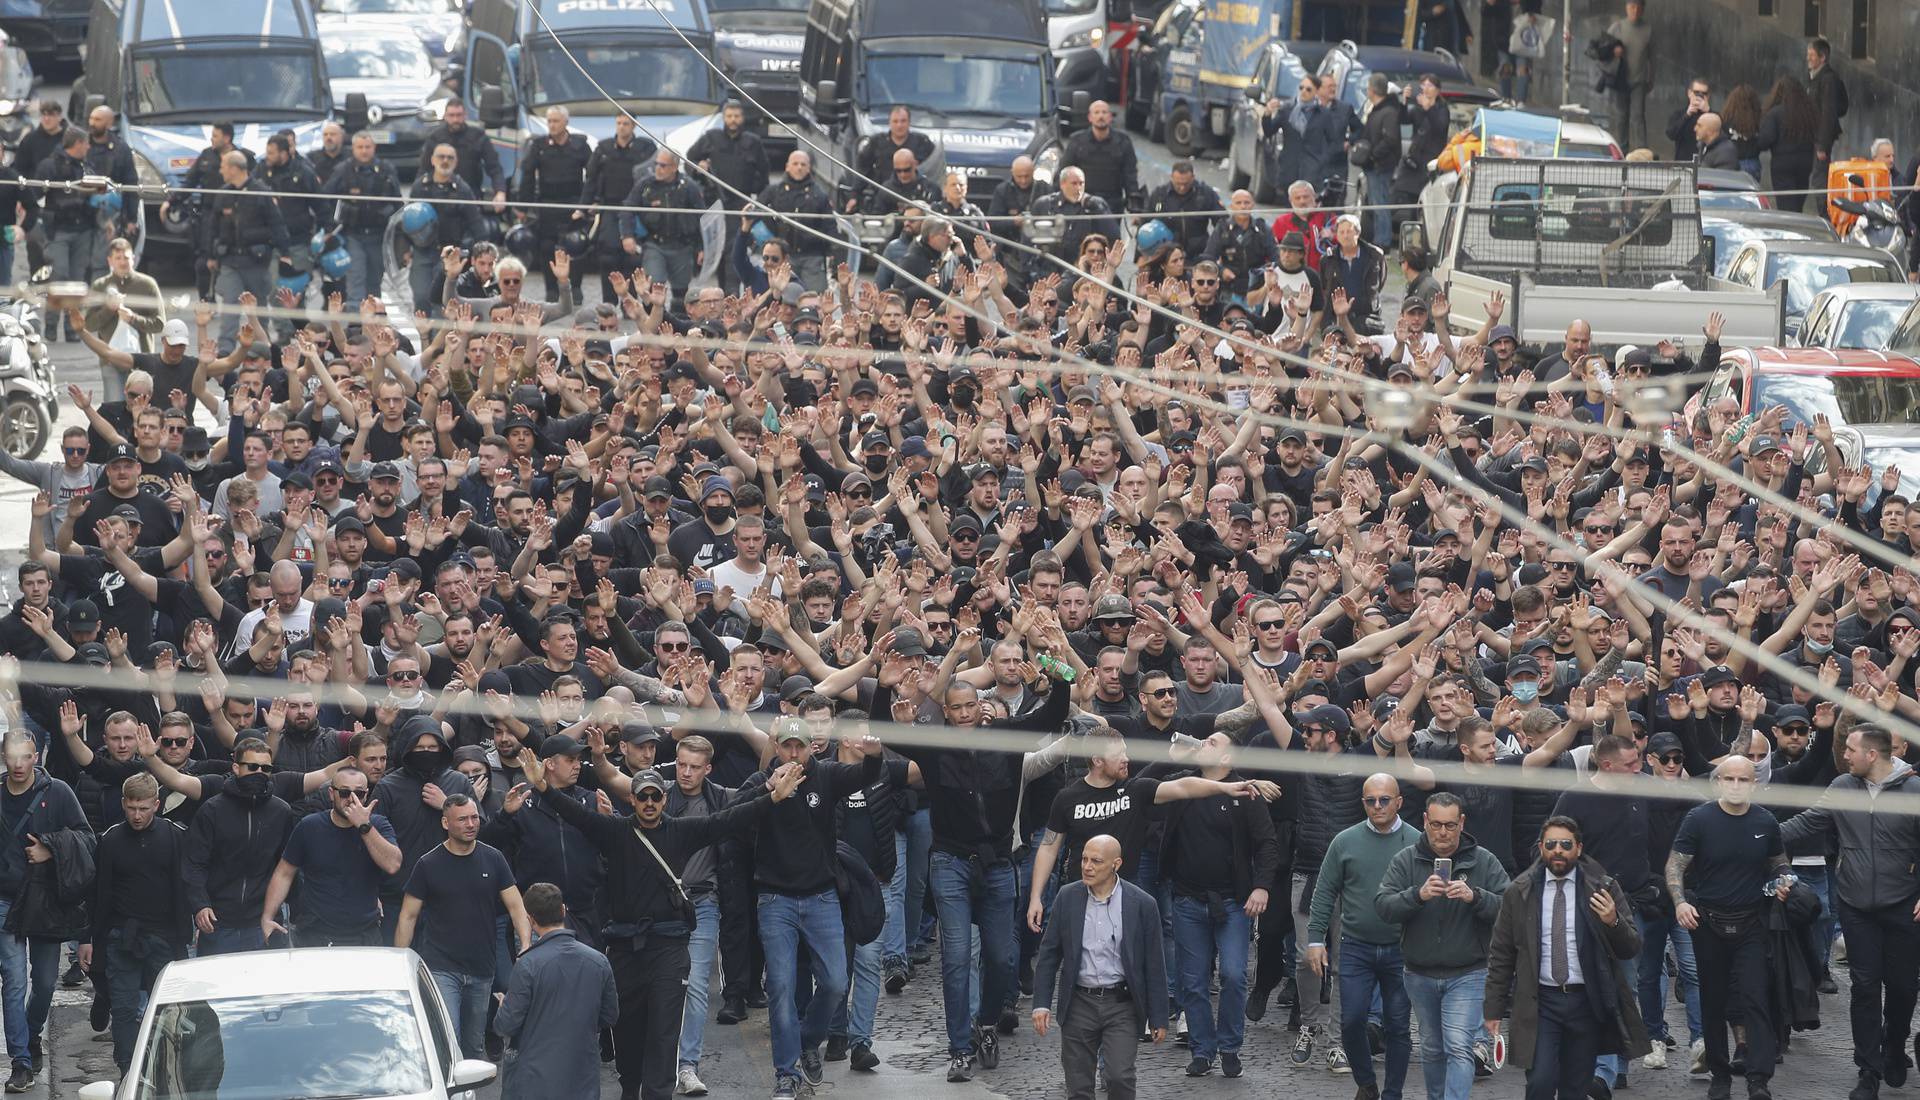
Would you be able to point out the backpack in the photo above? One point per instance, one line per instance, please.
(863, 909)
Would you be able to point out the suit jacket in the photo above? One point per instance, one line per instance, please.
(1141, 953)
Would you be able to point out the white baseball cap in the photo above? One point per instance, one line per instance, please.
(175, 333)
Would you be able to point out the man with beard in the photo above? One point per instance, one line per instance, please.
(732, 155)
(413, 795)
(1086, 213)
(797, 192)
(300, 743)
(1187, 205)
(881, 152)
(138, 911)
(235, 841)
(342, 855)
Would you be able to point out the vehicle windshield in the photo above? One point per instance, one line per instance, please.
(386, 7)
(1071, 7)
(202, 82)
(1809, 273)
(957, 85)
(1870, 324)
(722, 6)
(379, 59)
(1905, 458)
(318, 1046)
(1842, 399)
(624, 71)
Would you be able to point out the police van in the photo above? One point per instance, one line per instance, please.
(170, 69)
(596, 58)
(978, 77)
(757, 43)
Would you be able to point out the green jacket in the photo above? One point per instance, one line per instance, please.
(1350, 875)
(1444, 937)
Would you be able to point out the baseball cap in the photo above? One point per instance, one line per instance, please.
(1793, 714)
(1661, 744)
(1082, 393)
(1400, 576)
(560, 744)
(1764, 443)
(1113, 609)
(1717, 675)
(639, 733)
(1326, 714)
(121, 453)
(93, 653)
(1522, 666)
(1332, 651)
(127, 512)
(384, 471)
(791, 729)
(175, 334)
(659, 488)
(963, 523)
(914, 447)
(908, 643)
(794, 687)
(349, 522)
(649, 778)
(83, 613)
(1413, 303)
(864, 386)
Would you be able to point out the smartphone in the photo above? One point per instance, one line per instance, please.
(1443, 869)
(779, 331)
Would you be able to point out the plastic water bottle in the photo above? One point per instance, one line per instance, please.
(1772, 889)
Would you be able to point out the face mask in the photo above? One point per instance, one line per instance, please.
(198, 464)
(253, 786)
(1524, 691)
(426, 763)
(876, 464)
(1819, 649)
(719, 513)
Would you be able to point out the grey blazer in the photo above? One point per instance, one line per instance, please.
(1141, 952)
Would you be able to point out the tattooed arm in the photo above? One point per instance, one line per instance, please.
(1683, 910)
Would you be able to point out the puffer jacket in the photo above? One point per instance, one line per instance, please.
(1328, 804)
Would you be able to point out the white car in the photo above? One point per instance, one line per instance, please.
(302, 1024)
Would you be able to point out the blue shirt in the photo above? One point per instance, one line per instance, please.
(340, 883)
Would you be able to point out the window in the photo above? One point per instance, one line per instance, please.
(1815, 16)
(1860, 30)
(1570, 213)
(1767, 7)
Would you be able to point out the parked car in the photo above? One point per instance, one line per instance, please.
(1849, 386)
(405, 96)
(308, 1024)
(1587, 141)
(1720, 187)
(51, 31)
(1896, 445)
(1729, 227)
(1805, 268)
(438, 25)
(1857, 315)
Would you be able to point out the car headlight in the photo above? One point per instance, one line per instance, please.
(434, 110)
(1047, 165)
(1091, 38)
(147, 173)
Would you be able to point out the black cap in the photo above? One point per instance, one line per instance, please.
(603, 545)
(793, 687)
(1400, 576)
(384, 471)
(560, 744)
(965, 522)
(517, 421)
(1293, 239)
(864, 385)
(328, 466)
(1793, 714)
(349, 522)
(1660, 744)
(659, 487)
(1294, 434)
(639, 733)
(1332, 651)
(121, 453)
(1326, 714)
(83, 613)
(296, 480)
(1717, 675)
(127, 512)
(1522, 666)
(93, 653)
(908, 643)
(195, 442)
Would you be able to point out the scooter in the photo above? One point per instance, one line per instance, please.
(1876, 224)
(31, 400)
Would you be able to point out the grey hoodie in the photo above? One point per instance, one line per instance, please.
(1445, 937)
(1879, 848)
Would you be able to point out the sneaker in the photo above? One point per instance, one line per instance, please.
(986, 1048)
(836, 1048)
(1599, 1090)
(1230, 1065)
(1656, 1058)
(1895, 1063)
(1759, 1089)
(1257, 1004)
(959, 1069)
(732, 1011)
(1482, 1060)
(1009, 1021)
(1199, 1067)
(1866, 1088)
(785, 1088)
(21, 1079)
(1303, 1047)
(1699, 1066)
(896, 978)
(74, 978)
(35, 1052)
(757, 999)
(1829, 986)
(99, 1014)
(1179, 1027)
(862, 1057)
(689, 1083)
(1720, 1088)
(1376, 1040)
(1337, 1061)
(921, 954)
(810, 1066)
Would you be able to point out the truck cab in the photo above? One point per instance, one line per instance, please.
(596, 58)
(758, 43)
(978, 78)
(172, 68)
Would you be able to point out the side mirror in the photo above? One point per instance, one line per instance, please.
(826, 101)
(472, 1073)
(356, 112)
(492, 102)
(1073, 114)
(95, 100)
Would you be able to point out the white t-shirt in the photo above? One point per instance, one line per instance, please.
(729, 574)
(295, 626)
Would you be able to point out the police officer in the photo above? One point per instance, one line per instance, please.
(553, 169)
(40, 143)
(204, 174)
(967, 219)
(455, 223)
(668, 242)
(362, 181)
(1106, 156)
(1073, 199)
(734, 156)
(882, 150)
(333, 152)
(109, 156)
(245, 232)
(288, 175)
(1241, 244)
(1188, 206)
(70, 224)
(797, 192)
(479, 160)
(611, 172)
(905, 185)
(1007, 212)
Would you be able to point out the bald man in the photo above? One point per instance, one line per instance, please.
(1369, 956)
(1103, 948)
(1725, 856)
(1107, 157)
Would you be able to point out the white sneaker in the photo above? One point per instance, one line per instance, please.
(1337, 1060)
(1656, 1058)
(690, 1083)
(1699, 1067)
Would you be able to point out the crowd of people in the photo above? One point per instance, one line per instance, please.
(765, 644)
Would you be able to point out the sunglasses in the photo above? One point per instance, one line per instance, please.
(1206, 282)
(1271, 624)
(216, 555)
(340, 582)
(403, 677)
(175, 742)
(860, 494)
(75, 450)
(673, 647)
(965, 536)
(509, 282)
(649, 794)
(1162, 693)
(1557, 845)
(1378, 800)
(353, 795)
(253, 768)
(1672, 758)
(939, 626)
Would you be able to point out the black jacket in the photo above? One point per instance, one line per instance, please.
(553, 172)
(479, 162)
(669, 229)
(1192, 216)
(454, 222)
(51, 807)
(794, 850)
(1680, 132)
(738, 159)
(1256, 854)
(301, 215)
(233, 847)
(373, 180)
(1112, 168)
(1429, 140)
(245, 223)
(64, 209)
(1830, 104)
(1720, 153)
(612, 170)
(1241, 249)
(113, 158)
(1382, 134)
(138, 881)
(54, 903)
(787, 195)
(918, 191)
(1010, 200)
(414, 822)
(973, 794)
(1076, 229)
(876, 159)
(544, 848)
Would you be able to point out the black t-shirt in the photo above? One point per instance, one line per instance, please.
(157, 523)
(460, 897)
(167, 377)
(1614, 828)
(1082, 811)
(340, 882)
(156, 477)
(122, 607)
(694, 543)
(857, 821)
(1488, 809)
(1205, 837)
(1733, 855)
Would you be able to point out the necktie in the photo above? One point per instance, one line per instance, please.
(1559, 961)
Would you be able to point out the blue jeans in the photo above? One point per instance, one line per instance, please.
(1611, 1067)
(1449, 1011)
(969, 894)
(1367, 968)
(919, 847)
(853, 1020)
(467, 997)
(702, 948)
(1379, 193)
(25, 1011)
(1146, 875)
(893, 938)
(1203, 938)
(369, 264)
(786, 925)
(1824, 926)
(1653, 977)
(132, 962)
(228, 941)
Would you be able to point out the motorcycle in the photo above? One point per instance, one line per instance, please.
(1876, 224)
(31, 399)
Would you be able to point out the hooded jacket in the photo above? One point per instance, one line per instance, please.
(232, 849)
(51, 806)
(541, 847)
(1445, 937)
(414, 822)
(1878, 851)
